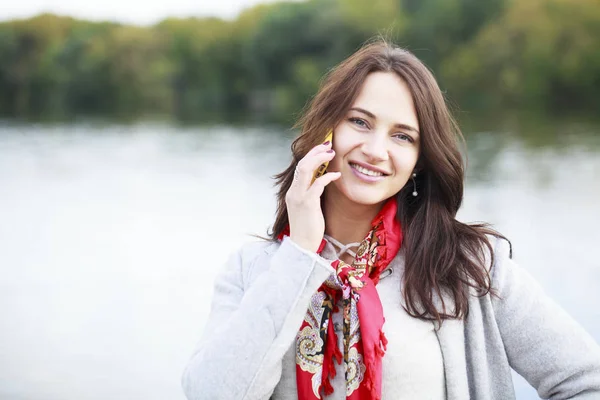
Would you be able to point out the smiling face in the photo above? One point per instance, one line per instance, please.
(377, 142)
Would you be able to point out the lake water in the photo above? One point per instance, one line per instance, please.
(104, 232)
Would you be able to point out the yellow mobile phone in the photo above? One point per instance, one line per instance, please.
(323, 167)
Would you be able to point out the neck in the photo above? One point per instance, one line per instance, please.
(346, 221)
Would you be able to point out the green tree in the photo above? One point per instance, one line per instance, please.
(539, 54)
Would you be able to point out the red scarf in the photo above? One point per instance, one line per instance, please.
(364, 341)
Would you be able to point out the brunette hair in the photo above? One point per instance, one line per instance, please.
(442, 255)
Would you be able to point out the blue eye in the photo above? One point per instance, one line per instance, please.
(358, 121)
(404, 137)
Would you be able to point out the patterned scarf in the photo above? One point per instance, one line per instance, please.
(364, 341)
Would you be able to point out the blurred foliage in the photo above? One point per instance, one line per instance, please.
(263, 66)
(540, 53)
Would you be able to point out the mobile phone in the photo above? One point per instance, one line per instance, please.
(323, 167)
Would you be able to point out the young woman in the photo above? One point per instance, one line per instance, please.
(369, 287)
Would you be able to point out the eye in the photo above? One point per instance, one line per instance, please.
(358, 121)
(404, 137)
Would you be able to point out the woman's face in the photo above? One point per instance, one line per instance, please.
(377, 143)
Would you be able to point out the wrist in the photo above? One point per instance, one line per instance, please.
(304, 243)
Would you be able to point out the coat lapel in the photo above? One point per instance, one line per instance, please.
(452, 344)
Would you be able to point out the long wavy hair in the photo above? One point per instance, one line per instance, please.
(442, 255)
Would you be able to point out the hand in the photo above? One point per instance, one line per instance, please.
(303, 199)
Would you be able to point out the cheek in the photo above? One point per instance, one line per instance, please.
(340, 140)
(405, 162)
(342, 145)
(337, 163)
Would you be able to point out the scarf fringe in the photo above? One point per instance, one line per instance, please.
(370, 381)
(327, 388)
(330, 356)
(330, 372)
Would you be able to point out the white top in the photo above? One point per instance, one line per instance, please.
(413, 366)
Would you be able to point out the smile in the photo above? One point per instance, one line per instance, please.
(365, 170)
(366, 173)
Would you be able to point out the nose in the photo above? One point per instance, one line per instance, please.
(374, 147)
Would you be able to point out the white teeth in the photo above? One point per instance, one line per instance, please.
(365, 171)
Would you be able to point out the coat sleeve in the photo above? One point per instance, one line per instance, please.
(250, 329)
(543, 343)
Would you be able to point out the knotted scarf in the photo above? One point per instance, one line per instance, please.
(363, 338)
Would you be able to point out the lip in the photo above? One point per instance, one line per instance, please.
(367, 166)
(367, 178)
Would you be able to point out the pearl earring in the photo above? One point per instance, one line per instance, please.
(414, 193)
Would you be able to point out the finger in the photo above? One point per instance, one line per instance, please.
(309, 164)
(318, 186)
(319, 149)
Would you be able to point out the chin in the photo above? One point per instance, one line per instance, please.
(364, 195)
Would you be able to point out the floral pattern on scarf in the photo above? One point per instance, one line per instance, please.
(364, 344)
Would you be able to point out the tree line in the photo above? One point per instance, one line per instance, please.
(265, 64)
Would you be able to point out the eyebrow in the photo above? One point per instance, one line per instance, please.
(371, 115)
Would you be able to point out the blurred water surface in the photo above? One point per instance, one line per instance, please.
(110, 238)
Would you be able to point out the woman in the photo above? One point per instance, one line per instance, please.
(369, 287)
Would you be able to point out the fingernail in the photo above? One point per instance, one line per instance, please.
(326, 143)
(330, 151)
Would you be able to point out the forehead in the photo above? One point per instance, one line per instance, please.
(387, 96)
